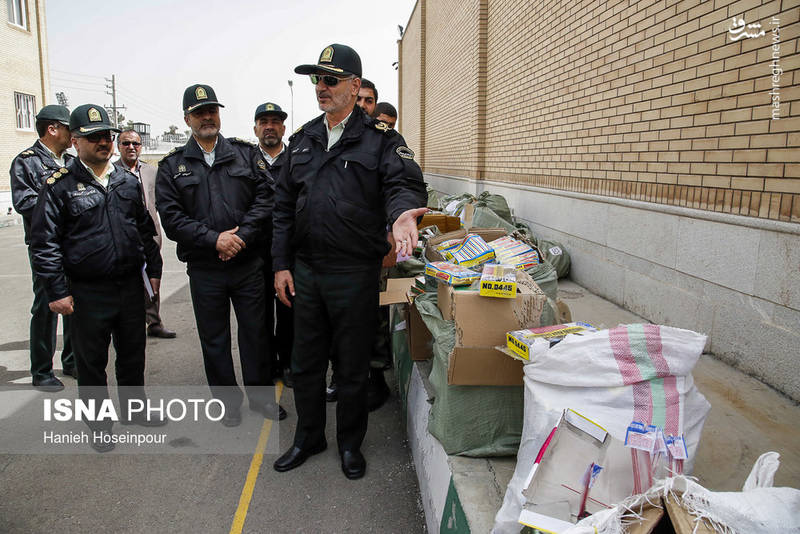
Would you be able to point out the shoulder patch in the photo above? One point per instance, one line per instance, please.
(27, 153)
(241, 141)
(382, 126)
(405, 152)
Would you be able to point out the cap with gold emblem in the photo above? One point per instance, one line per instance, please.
(269, 108)
(199, 95)
(88, 119)
(334, 59)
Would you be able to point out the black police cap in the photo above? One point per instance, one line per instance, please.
(268, 108)
(199, 95)
(88, 119)
(54, 112)
(334, 59)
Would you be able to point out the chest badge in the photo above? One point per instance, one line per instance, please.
(81, 186)
(262, 165)
(181, 168)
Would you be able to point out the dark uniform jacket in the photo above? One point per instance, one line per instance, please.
(28, 171)
(197, 202)
(332, 208)
(82, 231)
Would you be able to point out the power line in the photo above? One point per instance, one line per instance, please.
(80, 75)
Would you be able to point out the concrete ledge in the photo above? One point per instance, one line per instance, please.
(459, 494)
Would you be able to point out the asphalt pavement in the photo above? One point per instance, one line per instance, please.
(192, 493)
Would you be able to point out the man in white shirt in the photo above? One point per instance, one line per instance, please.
(129, 144)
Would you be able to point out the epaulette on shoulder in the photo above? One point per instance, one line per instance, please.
(56, 175)
(241, 141)
(171, 152)
(27, 153)
(383, 127)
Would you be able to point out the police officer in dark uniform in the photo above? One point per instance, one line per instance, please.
(91, 239)
(214, 196)
(28, 171)
(345, 177)
(269, 128)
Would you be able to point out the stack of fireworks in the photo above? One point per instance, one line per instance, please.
(509, 251)
(450, 273)
(468, 252)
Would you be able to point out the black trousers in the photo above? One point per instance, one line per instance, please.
(43, 330)
(279, 321)
(335, 315)
(106, 310)
(214, 289)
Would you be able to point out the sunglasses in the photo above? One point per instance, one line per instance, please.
(100, 136)
(129, 143)
(330, 81)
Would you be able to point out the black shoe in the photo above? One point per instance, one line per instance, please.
(353, 464)
(158, 330)
(288, 379)
(232, 417)
(101, 445)
(49, 383)
(71, 371)
(268, 410)
(295, 457)
(142, 420)
(377, 389)
(332, 391)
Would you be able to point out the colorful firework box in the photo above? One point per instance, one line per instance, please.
(509, 251)
(450, 273)
(520, 341)
(468, 252)
(499, 281)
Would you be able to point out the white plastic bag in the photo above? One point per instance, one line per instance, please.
(628, 373)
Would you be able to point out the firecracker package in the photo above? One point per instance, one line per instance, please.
(509, 251)
(498, 281)
(450, 273)
(520, 341)
(469, 252)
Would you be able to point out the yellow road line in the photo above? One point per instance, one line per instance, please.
(252, 473)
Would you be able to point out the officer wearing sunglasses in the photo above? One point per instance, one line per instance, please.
(91, 239)
(345, 178)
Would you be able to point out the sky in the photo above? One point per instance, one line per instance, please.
(246, 51)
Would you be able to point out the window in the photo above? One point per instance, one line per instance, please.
(26, 110)
(17, 11)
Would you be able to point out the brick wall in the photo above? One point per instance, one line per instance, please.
(411, 82)
(20, 65)
(648, 100)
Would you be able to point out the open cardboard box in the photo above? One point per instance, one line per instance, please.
(445, 223)
(481, 324)
(488, 234)
(420, 341)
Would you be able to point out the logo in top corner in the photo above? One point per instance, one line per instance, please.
(94, 115)
(327, 55)
(200, 93)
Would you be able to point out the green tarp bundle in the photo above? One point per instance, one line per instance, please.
(468, 420)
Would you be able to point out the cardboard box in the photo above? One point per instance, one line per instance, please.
(482, 323)
(445, 223)
(420, 341)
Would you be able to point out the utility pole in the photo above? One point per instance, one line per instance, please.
(113, 94)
